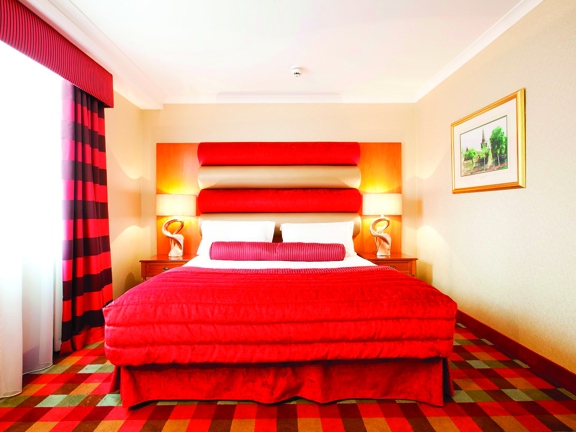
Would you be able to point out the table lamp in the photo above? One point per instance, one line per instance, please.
(381, 204)
(175, 205)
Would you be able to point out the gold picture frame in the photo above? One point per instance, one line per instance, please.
(489, 147)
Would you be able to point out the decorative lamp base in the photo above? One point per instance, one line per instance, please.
(383, 241)
(176, 240)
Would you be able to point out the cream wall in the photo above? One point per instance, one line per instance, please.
(274, 122)
(506, 257)
(124, 168)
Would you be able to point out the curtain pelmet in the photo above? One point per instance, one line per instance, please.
(26, 32)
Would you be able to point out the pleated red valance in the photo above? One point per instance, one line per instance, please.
(25, 31)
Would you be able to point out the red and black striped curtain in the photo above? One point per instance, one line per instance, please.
(87, 274)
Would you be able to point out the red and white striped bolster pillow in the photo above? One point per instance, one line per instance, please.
(262, 251)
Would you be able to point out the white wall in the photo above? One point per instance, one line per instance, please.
(506, 257)
(124, 169)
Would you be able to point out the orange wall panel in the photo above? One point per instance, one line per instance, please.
(177, 168)
(381, 172)
(177, 173)
(380, 166)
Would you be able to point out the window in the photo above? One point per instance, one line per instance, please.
(31, 216)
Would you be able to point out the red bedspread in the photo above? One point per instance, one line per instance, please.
(191, 315)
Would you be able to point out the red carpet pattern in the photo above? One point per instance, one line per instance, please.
(492, 393)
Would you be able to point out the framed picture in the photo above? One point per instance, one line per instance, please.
(489, 147)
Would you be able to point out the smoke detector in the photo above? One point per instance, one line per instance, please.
(296, 71)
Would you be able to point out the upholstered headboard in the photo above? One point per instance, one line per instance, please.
(280, 181)
(380, 165)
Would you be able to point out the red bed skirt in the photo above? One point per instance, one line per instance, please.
(410, 379)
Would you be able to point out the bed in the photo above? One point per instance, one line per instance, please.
(277, 304)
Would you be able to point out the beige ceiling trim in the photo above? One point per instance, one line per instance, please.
(132, 83)
(482, 42)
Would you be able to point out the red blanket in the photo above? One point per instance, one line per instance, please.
(193, 315)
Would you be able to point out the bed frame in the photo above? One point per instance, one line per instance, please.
(425, 381)
(307, 168)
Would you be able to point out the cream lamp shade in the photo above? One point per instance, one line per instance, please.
(175, 205)
(381, 204)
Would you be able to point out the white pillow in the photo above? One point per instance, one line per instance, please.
(253, 231)
(328, 232)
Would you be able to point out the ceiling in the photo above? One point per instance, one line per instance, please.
(242, 51)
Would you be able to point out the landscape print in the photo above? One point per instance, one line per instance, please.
(485, 148)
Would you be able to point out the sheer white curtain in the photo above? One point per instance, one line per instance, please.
(30, 217)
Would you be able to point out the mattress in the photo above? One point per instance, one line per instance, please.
(194, 315)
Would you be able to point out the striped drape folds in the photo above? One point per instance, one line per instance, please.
(86, 271)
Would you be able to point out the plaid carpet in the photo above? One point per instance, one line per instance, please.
(492, 393)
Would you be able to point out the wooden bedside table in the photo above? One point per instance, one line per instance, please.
(403, 263)
(160, 263)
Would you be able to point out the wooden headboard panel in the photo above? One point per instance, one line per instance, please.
(178, 171)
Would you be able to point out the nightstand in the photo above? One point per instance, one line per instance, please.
(160, 263)
(403, 263)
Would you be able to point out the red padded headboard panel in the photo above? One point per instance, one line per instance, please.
(279, 153)
(269, 195)
(279, 200)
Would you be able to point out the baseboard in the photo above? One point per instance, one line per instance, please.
(541, 366)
